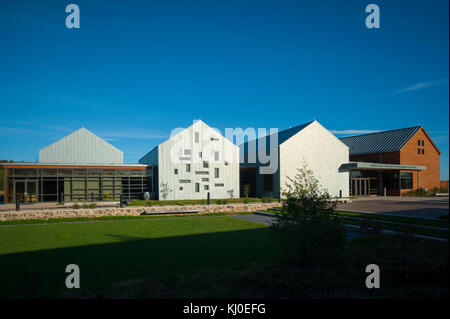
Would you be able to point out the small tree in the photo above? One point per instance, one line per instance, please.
(307, 223)
(165, 190)
(246, 190)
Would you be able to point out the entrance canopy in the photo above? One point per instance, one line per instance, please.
(378, 178)
(362, 166)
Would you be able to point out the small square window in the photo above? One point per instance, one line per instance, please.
(206, 187)
(226, 163)
(205, 164)
(181, 188)
(175, 171)
(187, 152)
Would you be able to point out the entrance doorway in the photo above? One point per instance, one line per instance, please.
(26, 191)
(360, 186)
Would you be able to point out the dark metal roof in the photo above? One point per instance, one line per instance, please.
(283, 136)
(386, 141)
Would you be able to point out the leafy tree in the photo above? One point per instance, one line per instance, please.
(165, 190)
(311, 231)
(246, 190)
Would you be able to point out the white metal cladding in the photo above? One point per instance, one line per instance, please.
(181, 149)
(322, 152)
(81, 147)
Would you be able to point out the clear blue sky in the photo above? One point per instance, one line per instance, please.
(137, 69)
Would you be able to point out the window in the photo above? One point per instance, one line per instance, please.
(206, 187)
(418, 142)
(205, 164)
(197, 187)
(268, 182)
(216, 172)
(175, 171)
(216, 156)
(214, 139)
(218, 185)
(197, 137)
(205, 179)
(185, 181)
(181, 188)
(423, 142)
(418, 151)
(188, 168)
(201, 172)
(406, 180)
(423, 151)
(187, 152)
(226, 163)
(200, 154)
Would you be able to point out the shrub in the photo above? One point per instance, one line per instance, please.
(246, 201)
(75, 206)
(246, 190)
(93, 205)
(60, 203)
(311, 230)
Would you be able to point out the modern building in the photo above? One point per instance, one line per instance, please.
(310, 144)
(397, 160)
(192, 163)
(80, 166)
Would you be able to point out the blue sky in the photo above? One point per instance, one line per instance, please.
(137, 69)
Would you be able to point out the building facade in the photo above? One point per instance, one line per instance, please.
(78, 167)
(309, 144)
(397, 161)
(192, 163)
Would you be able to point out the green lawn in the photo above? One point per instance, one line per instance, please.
(33, 257)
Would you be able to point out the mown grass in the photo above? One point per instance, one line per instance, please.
(33, 258)
(106, 218)
(410, 268)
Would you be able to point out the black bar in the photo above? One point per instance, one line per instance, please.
(208, 199)
(17, 203)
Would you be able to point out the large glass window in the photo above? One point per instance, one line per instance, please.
(406, 180)
(268, 182)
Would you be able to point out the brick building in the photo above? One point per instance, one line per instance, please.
(397, 161)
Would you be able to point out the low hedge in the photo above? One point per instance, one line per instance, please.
(201, 201)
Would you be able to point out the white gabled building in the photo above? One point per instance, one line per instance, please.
(81, 147)
(310, 144)
(193, 162)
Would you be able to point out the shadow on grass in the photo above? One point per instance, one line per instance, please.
(42, 273)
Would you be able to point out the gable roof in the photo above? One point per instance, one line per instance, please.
(283, 136)
(81, 147)
(386, 141)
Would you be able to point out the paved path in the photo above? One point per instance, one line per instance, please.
(423, 207)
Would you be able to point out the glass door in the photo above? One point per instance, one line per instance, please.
(26, 191)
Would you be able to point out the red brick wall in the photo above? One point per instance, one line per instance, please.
(408, 156)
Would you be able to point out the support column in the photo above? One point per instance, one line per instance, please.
(380, 183)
